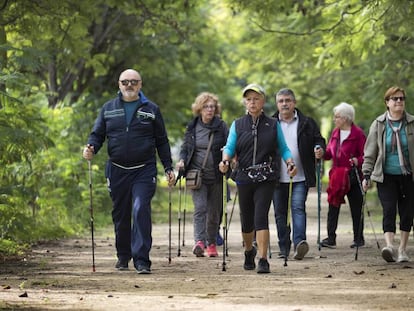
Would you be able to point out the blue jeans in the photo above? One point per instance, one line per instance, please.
(298, 212)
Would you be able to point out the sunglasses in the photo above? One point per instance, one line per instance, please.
(398, 98)
(126, 82)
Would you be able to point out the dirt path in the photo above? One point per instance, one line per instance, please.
(58, 276)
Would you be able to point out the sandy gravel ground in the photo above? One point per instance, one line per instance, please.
(58, 275)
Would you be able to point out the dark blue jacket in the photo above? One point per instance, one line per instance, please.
(135, 143)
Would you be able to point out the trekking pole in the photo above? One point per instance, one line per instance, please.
(226, 226)
(360, 226)
(269, 249)
(91, 211)
(179, 211)
(229, 221)
(364, 205)
(179, 217)
(185, 209)
(361, 220)
(169, 224)
(224, 207)
(370, 220)
(319, 189)
(288, 221)
(232, 209)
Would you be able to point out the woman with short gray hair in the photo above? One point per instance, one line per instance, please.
(346, 150)
(346, 111)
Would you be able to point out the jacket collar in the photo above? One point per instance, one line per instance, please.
(409, 117)
(142, 98)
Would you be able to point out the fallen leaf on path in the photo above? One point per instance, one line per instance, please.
(359, 272)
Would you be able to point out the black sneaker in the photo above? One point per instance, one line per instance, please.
(143, 269)
(357, 244)
(282, 252)
(121, 265)
(249, 259)
(281, 255)
(328, 243)
(263, 266)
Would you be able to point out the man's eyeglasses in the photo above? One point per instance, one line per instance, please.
(126, 82)
(398, 98)
(286, 100)
(212, 107)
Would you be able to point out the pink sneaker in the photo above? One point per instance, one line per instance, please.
(212, 251)
(198, 249)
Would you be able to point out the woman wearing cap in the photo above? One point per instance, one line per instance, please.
(257, 142)
(389, 161)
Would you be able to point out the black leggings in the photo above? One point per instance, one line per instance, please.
(254, 202)
(396, 192)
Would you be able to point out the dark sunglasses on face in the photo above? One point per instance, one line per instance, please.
(397, 98)
(126, 82)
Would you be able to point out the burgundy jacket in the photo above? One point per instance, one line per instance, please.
(352, 147)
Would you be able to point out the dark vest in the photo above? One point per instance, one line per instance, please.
(266, 150)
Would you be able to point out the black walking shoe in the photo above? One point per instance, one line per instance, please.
(357, 244)
(281, 255)
(121, 265)
(143, 269)
(328, 243)
(249, 257)
(263, 266)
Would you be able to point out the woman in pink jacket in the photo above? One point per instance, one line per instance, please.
(346, 150)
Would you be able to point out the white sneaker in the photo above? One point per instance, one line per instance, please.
(388, 254)
(402, 256)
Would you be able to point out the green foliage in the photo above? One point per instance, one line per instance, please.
(10, 249)
(330, 51)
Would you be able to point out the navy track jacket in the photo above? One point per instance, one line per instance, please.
(135, 143)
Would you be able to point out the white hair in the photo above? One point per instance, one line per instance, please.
(346, 111)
